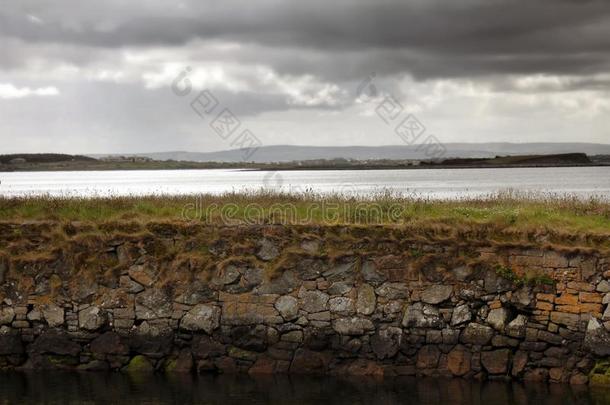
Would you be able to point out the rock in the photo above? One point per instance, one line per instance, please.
(341, 305)
(436, 294)
(497, 318)
(55, 342)
(144, 274)
(309, 362)
(295, 336)
(522, 298)
(252, 337)
(603, 286)
(385, 342)
(496, 362)
(109, 343)
(463, 273)
(420, 316)
(579, 379)
(340, 288)
(7, 314)
(476, 334)
(263, 365)
(461, 314)
(427, 357)
(130, 285)
(352, 326)
(10, 344)
(366, 302)
(370, 273)
(393, 291)
(344, 270)
(458, 361)
(516, 328)
(201, 318)
(267, 250)
(288, 307)
(34, 315)
(360, 368)
(139, 364)
(91, 318)
(519, 362)
(494, 283)
(314, 301)
(597, 338)
(181, 364)
(95, 365)
(153, 303)
(53, 314)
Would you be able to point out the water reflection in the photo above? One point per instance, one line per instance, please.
(89, 388)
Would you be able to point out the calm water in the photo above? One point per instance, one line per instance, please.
(90, 388)
(435, 183)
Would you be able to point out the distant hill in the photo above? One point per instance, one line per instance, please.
(561, 159)
(289, 153)
(43, 158)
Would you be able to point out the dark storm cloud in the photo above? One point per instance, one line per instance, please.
(425, 38)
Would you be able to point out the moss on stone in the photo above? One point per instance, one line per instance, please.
(600, 374)
(139, 364)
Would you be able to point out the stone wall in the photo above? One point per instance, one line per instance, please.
(270, 299)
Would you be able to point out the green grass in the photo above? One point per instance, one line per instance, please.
(502, 211)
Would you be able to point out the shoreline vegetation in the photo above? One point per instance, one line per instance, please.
(62, 162)
(501, 212)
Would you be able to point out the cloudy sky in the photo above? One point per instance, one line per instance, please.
(81, 76)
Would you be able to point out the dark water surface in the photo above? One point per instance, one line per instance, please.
(93, 388)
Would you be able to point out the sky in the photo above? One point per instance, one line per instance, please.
(80, 76)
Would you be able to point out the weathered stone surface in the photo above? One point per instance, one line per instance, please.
(139, 364)
(352, 326)
(341, 306)
(309, 362)
(427, 357)
(314, 301)
(436, 294)
(496, 362)
(421, 316)
(385, 342)
(55, 342)
(267, 249)
(201, 318)
(153, 303)
(109, 343)
(288, 307)
(458, 361)
(476, 334)
(497, 318)
(597, 338)
(516, 327)
(91, 318)
(393, 291)
(7, 314)
(143, 274)
(460, 315)
(53, 315)
(365, 305)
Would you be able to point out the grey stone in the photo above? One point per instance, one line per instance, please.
(461, 314)
(314, 301)
(597, 338)
(288, 307)
(393, 291)
(436, 294)
(370, 273)
(497, 318)
(268, 250)
(352, 326)
(516, 327)
(341, 305)
(91, 318)
(418, 316)
(153, 303)
(201, 317)
(53, 314)
(7, 314)
(477, 334)
(366, 302)
(603, 286)
(339, 288)
(386, 342)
